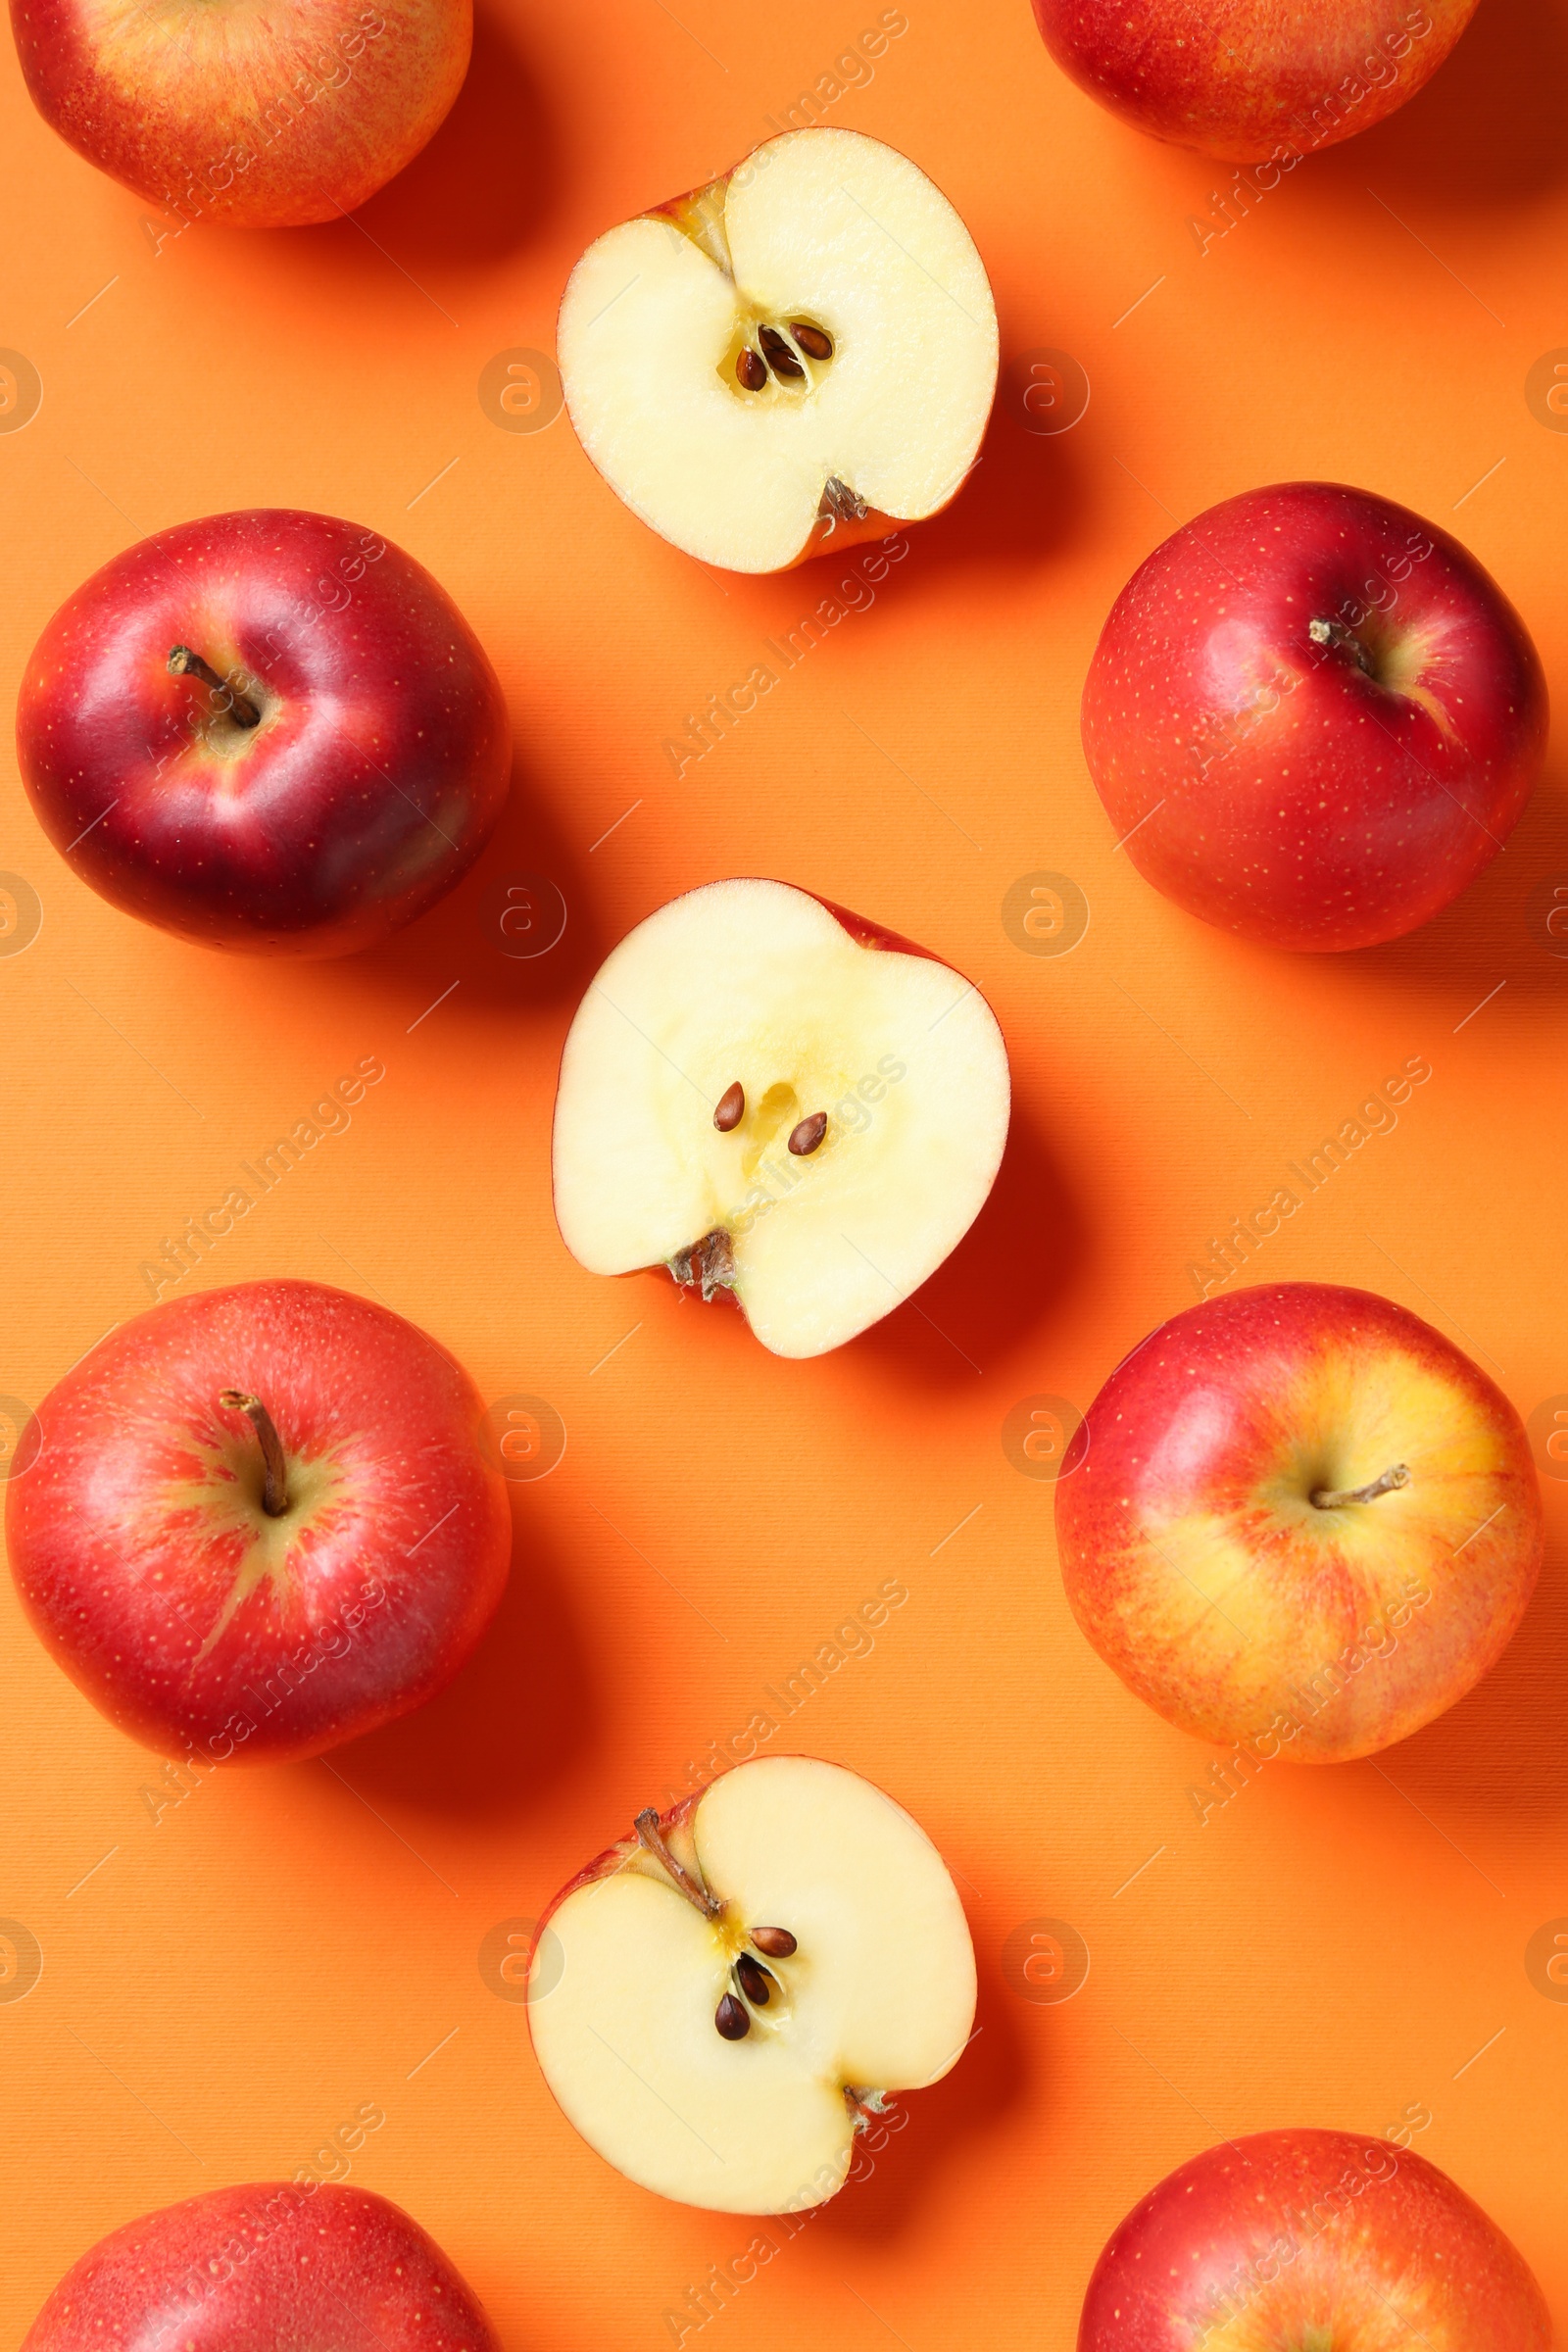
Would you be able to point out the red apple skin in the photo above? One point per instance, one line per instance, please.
(272, 2265)
(197, 1624)
(253, 116)
(1304, 2237)
(1265, 782)
(1199, 1568)
(1250, 79)
(376, 774)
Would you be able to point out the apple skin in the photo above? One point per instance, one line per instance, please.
(1301, 2238)
(1246, 79)
(256, 2269)
(1263, 781)
(1199, 1568)
(251, 116)
(133, 1533)
(377, 773)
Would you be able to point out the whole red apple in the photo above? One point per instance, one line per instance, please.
(1299, 1522)
(265, 730)
(1307, 2240)
(262, 1521)
(273, 2266)
(253, 115)
(1247, 79)
(1312, 717)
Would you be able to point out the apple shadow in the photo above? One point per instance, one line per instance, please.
(1503, 1749)
(487, 179)
(1027, 1251)
(1487, 131)
(1022, 503)
(512, 1723)
(884, 2204)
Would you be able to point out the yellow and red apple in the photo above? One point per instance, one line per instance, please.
(1307, 2241)
(1299, 1520)
(1247, 79)
(254, 113)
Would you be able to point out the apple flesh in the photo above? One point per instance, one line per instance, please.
(265, 730)
(794, 357)
(261, 1521)
(1303, 2242)
(272, 2267)
(250, 115)
(736, 1987)
(771, 1098)
(1249, 80)
(1300, 1521)
(1312, 717)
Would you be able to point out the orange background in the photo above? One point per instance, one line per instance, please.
(237, 1977)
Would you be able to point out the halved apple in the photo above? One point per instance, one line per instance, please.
(769, 1097)
(801, 354)
(734, 1990)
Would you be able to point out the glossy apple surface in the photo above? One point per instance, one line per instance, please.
(1307, 2242)
(374, 771)
(272, 2267)
(1247, 79)
(1312, 717)
(1220, 1553)
(251, 115)
(198, 1619)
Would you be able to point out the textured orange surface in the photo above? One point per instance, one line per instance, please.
(234, 1975)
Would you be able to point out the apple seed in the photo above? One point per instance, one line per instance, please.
(779, 356)
(778, 1942)
(183, 662)
(751, 370)
(805, 1139)
(732, 2018)
(730, 1107)
(754, 1981)
(812, 340)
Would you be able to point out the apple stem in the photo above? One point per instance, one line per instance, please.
(652, 1838)
(183, 662)
(1329, 1498)
(274, 1480)
(1335, 632)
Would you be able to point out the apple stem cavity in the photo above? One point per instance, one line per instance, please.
(183, 662)
(808, 1136)
(730, 1109)
(778, 1942)
(652, 1838)
(274, 1463)
(1336, 633)
(732, 2018)
(1332, 1498)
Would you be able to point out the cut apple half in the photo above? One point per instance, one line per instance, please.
(738, 1985)
(795, 356)
(772, 1098)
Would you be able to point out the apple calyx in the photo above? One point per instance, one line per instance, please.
(1331, 1498)
(183, 662)
(274, 1463)
(1336, 633)
(840, 504)
(708, 1265)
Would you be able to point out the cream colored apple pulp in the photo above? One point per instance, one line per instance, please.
(758, 983)
(879, 1994)
(823, 226)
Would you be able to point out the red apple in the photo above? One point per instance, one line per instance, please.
(253, 115)
(1247, 79)
(273, 2266)
(1312, 717)
(262, 1521)
(1307, 2241)
(265, 730)
(1299, 1522)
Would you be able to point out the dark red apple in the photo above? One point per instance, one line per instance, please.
(1308, 2240)
(1312, 717)
(273, 2266)
(261, 1521)
(265, 730)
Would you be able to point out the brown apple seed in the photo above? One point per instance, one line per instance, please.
(805, 1139)
(730, 1109)
(732, 2019)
